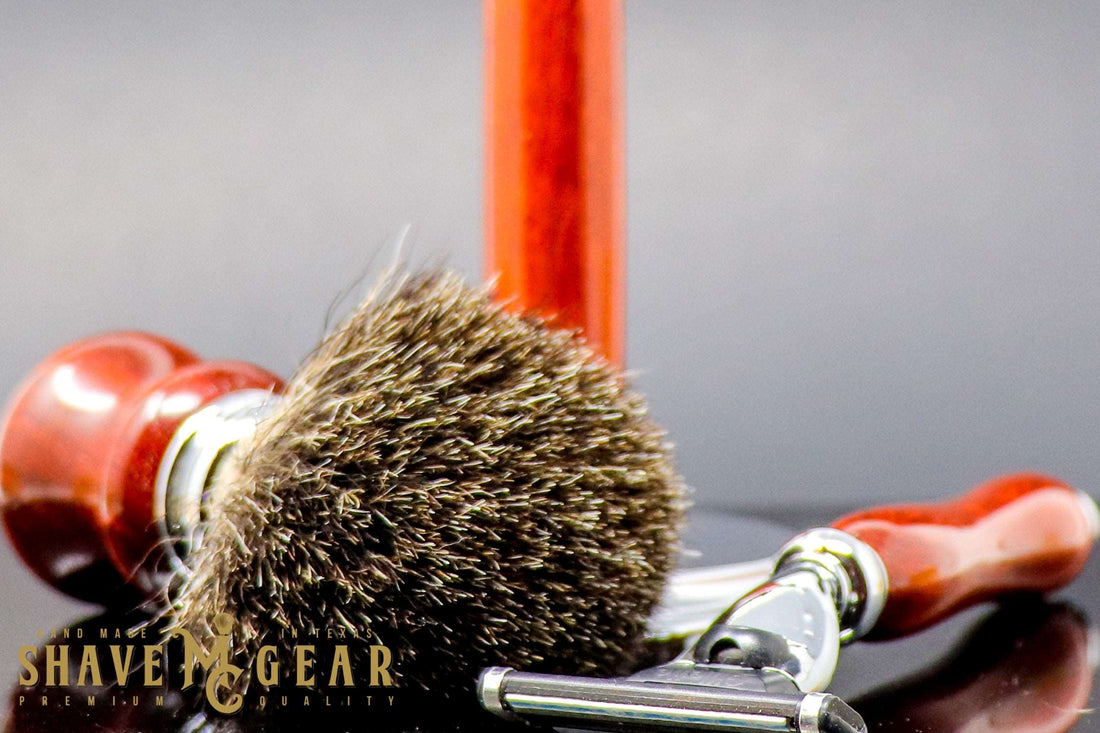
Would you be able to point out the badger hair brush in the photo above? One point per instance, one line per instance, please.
(459, 483)
(465, 485)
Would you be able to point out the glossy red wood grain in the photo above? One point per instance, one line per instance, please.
(1017, 533)
(80, 446)
(554, 181)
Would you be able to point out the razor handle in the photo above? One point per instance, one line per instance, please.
(1015, 534)
(80, 449)
(877, 573)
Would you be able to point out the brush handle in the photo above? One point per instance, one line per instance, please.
(554, 181)
(1017, 533)
(80, 447)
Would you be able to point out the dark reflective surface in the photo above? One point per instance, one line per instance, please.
(1028, 666)
(1024, 665)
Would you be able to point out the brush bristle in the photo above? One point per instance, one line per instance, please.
(464, 485)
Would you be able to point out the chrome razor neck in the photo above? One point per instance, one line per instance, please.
(848, 569)
(827, 589)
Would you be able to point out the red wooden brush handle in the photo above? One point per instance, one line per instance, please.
(80, 446)
(1023, 532)
(554, 185)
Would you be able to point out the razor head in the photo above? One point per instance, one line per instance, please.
(729, 699)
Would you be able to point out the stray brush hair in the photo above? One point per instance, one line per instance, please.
(464, 485)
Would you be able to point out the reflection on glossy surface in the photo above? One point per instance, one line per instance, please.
(1028, 668)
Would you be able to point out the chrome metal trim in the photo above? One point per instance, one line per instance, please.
(192, 457)
(1091, 513)
(849, 568)
(618, 712)
(809, 712)
(490, 690)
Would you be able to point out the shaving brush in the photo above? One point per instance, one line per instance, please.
(464, 485)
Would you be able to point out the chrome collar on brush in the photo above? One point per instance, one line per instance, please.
(193, 456)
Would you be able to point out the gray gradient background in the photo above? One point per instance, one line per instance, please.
(863, 237)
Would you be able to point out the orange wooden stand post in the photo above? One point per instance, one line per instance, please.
(554, 170)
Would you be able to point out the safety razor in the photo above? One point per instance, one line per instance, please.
(764, 663)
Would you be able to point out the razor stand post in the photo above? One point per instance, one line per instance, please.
(554, 195)
(879, 573)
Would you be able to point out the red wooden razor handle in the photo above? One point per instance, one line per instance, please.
(80, 447)
(1019, 533)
